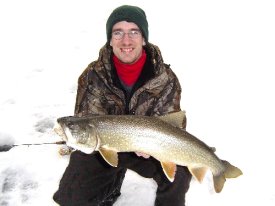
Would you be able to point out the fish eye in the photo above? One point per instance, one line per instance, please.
(70, 125)
(73, 126)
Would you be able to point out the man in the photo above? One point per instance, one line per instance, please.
(131, 78)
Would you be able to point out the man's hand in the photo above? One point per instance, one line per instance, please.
(140, 154)
(65, 150)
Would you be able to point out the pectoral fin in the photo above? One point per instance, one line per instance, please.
(198, 172)
(169, 169)
(110, 156)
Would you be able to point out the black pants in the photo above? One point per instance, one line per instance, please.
(90, 181)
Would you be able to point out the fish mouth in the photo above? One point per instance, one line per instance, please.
(58, 129)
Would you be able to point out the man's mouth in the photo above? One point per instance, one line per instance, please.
(127, 50)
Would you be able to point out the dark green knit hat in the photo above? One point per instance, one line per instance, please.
(130, 14)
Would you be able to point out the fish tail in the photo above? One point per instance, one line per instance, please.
(230, 172)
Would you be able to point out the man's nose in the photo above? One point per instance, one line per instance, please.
(126, 37)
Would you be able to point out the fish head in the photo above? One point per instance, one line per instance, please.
(78, 133)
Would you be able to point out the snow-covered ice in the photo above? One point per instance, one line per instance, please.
(222, 51)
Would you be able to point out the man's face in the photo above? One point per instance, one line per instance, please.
(127, 42)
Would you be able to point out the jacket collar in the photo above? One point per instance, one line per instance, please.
(104, 70)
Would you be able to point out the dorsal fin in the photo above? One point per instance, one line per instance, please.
(175, 118)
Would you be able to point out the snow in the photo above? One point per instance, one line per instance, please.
(222, 51)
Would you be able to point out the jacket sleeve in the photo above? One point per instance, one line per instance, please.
(170, 97)
(88, 101)
(81, 107)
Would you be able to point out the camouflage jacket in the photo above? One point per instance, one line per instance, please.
(99, 93)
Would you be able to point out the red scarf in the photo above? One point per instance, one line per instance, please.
(129, 73)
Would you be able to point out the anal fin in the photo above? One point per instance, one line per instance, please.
(198, 172)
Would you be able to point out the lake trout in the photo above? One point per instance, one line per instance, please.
(160, 137)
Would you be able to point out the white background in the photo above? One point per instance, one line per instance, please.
(222, 52)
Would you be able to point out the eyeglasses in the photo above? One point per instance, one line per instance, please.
(133, 34)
